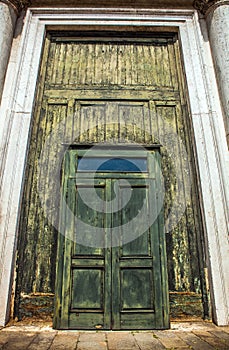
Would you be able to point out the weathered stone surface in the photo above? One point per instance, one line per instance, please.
(118, 3)
(182, 336)
(18, 4)
(65, 340)
(193, 341)
(121, 340)
(91, 345)
(218, 30)
(215, 342)
(4, 337)
(92, 337)
(43, 340)
(217, 14)
(169, 339)
(7, 22)
(222, 335)
(148, 341)
(92, 341)
(203, 5)
(19, 341)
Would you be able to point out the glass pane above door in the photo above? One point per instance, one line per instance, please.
(108, 164)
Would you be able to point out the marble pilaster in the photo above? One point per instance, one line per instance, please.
(216, 13)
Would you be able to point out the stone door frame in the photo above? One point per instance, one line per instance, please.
(208, 135)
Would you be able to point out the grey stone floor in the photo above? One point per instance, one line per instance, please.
(181, 336)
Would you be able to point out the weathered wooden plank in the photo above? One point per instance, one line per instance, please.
(89, 69)
(50, 67)
(61, 65)
(122, 93)
(31, 234)
(38, 305)
(60, 246)
(52, 64)
(185, 304)
(46, 240)
(68, 64)
(42, 226)
(173, 66)
(75, 64)
(113, 64)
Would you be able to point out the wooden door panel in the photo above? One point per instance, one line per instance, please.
(136, 289)
(87, 320)
(90, 217)
(87, 289)
(133, 263)
(139, 246)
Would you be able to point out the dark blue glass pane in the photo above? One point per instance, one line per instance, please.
(105, 164)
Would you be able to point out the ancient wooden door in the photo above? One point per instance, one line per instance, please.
(111, 271)
(111, 88)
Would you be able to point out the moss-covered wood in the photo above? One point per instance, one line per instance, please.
(91, 81)
(183, 306)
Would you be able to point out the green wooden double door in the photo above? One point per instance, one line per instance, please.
(111, 270)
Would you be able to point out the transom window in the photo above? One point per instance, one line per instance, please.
(109, 164)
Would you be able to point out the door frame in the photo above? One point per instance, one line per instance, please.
(208, 136)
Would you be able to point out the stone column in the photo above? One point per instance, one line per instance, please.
(216, 13)
(9, 10)
(8, 17)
